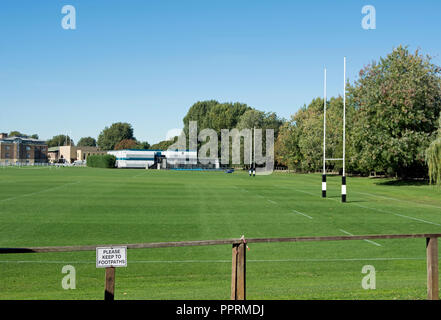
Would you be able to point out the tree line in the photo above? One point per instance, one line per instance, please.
(393, 123)
(393, 116)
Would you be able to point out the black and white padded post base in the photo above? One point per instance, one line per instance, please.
(343, 189)
(324, 186)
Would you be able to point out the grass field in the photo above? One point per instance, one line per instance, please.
(79, 206)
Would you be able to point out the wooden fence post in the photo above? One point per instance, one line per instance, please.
(238, 272)
(432, 268)
(109, 293)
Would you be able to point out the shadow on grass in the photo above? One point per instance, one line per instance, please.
(403, 183)
(348, 201)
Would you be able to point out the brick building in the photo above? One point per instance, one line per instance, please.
(15, 150)
(71, 153)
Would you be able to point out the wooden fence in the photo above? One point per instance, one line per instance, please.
(238, 274)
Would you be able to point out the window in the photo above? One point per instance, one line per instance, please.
(28, 155)
(28, 148)
(8, 147)
(7, 155)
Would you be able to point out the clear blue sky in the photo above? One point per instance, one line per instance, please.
(146, 62)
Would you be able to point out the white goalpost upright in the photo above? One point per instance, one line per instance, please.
(343, 178)
(343, 181)
(324, 142)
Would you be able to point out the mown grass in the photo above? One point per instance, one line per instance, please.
(79, 206)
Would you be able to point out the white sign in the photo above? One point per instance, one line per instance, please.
(111, 257)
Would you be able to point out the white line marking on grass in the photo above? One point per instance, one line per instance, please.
(371, 242)
(273, 202)
(219, 261)
(397, 214)
(395, 199)
(375, 209)
(37, 192)
(301, 213)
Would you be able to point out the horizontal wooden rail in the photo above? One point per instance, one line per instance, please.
(238, 276)
(212, 242)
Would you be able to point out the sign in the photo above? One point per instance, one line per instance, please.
(111, 257)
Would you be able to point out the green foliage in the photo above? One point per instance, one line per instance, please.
(142, 145)
(131, 144)
(22, 135)
(214, 115)
(164, 145)
(101, 161)
(397, 103)
(433, 158)
(299, 144)
(286, 148)
(126, 144)
(217, 116)
(87, 142)
(60, 140)
(110, 136)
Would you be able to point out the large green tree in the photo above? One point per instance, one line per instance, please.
(286, 148)
(110, 136)
(299, 144)
(214, 115)
(131, 144)
(60, 140)
(397, 102)
(22, 135)
(86, 142)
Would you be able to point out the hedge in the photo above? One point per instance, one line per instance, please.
(101, 161)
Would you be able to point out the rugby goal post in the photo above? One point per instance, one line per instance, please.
(343, 179)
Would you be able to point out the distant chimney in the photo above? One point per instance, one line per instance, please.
(3, 135)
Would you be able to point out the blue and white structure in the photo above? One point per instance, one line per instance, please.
(134, 158)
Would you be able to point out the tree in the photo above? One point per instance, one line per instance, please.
(17, 134)
(214, 115)
(86, 142)
(22, 135)
(433, 158)
(286, 147)
(309, 122)
(126, 144)
(60, 140)
(299, 144)
(253, 118)
(110, 136)
(397, 104)
(142, 145)
(164, 145)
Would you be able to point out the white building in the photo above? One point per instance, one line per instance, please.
(133, 158)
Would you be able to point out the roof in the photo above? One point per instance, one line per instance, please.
(53, 149)
(23, 140)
